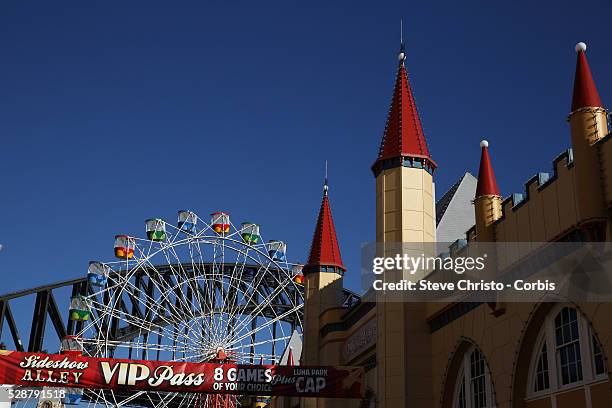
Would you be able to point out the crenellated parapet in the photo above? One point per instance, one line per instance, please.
(526, 210)
(575, 198)
(545, 211)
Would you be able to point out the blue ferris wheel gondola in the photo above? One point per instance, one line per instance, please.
(73, 396)
(277, 250)
(97, 274)
(187, 220)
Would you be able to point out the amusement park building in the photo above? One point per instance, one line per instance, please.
(463, 355)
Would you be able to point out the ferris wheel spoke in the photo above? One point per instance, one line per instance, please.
(238, 268)
(269, 322)
(143, 298)
(116, 344)
(139, 345)
(218, 272)
(179, 271)
(168, 398)
(263, 342)
(236, 311)
(130, 398)
(268, 299)
(254, 288)
(163, 293)
(147, 303)
(266, 272)
(164, 398)
(143, 324)
(148, 395)
(164, 288)
(247, 356)
(99, 394)
(191, 398)
(230, 312)
(187, 279)
(149, 325)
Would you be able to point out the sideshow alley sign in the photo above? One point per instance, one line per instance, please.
(55, 370)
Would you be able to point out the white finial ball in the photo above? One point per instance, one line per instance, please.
(580, 47)
(484, 143)
(401, 56)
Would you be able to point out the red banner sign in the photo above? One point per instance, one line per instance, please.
(58, 370)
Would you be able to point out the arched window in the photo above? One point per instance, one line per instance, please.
(473, 388)
(568, 354)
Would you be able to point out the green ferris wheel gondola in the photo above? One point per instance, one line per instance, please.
(156, 229)
(250, 233)
(79, 309)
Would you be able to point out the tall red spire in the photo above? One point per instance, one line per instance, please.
(585, 91)
(325, 250)
(403, 136)
(487, 185)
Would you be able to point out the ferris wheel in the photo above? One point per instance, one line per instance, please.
(197, 291)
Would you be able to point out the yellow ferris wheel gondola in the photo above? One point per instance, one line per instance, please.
(124, 246)
(220, 222)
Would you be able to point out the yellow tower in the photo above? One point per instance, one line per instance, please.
(405, 213)
(487, 210)
(488, 201)
(323, 285)
(588, 125)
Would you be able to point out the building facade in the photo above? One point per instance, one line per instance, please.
(464, 355)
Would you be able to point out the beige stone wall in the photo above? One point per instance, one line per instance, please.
(333, 349)
(404, 206)
(488, 209)
(321, 293)
(606, 168)
(497, 338)
(507, 343)
(547, 212)
(587, 127)
(504, 340)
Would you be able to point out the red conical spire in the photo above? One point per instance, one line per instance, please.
(487, 185)
(585, 91)
(403, 136)
(324, 250)
(290, 361)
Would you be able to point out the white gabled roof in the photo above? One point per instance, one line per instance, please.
(455, 210)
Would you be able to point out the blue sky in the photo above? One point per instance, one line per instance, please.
(111, 114)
